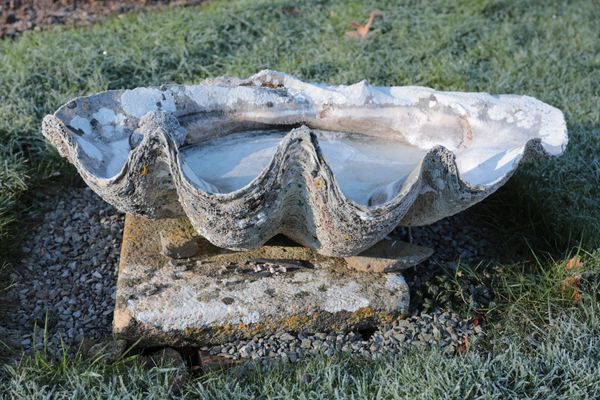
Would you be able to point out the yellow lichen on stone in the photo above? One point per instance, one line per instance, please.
(384, 317)
(361, 314)
(296, 322)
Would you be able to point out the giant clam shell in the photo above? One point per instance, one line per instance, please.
(335, 168)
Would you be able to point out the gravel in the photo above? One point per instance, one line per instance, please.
(460, 236)
(68, 275)
(460, 241)
(445, 330)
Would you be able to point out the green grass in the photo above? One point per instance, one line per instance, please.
(551, 209)
(522, 360)
(550, 351)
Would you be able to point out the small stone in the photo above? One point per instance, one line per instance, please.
(403, 323)
(286, 337)
(108, 351)
(400, 337)
(169, 357)
(245, 351)
(80, 304)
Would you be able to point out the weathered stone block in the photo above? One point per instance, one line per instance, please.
(219, 295)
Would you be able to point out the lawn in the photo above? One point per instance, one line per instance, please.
(551, 209)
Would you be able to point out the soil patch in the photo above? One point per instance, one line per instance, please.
(17, 16)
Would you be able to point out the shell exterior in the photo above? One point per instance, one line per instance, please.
(317, 186)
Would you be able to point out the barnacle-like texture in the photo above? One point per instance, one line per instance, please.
(335, 168)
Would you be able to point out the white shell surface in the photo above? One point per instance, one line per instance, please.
(337, 159)
(360, 164)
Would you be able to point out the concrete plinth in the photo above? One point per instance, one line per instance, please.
(218, 295)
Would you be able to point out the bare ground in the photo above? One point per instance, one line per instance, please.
(17, 16)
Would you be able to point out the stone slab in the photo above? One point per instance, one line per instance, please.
(219, 295)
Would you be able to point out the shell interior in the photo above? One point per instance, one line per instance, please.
(361, 164)
(371, 137)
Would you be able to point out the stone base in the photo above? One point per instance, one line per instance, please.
(219, 296)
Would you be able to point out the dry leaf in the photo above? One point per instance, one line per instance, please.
(464, 347)
(477, 320)
(571, 284)
(574, 263)
(576, 295)
(362, 31)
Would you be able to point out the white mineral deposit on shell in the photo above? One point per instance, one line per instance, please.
(335, 168)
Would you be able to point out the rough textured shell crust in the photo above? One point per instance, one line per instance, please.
(296, 195)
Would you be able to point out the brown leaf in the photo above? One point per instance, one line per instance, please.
(477, 320)
(576, 295)
(466, 344)
(570, 287)
(571, 284)
(574, 263)
(362, 31)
